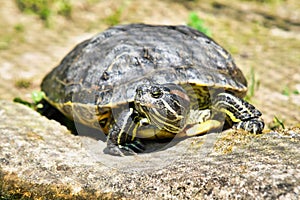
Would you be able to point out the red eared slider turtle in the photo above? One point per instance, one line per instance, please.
(136, 81)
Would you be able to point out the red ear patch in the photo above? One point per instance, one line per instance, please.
(180, 94)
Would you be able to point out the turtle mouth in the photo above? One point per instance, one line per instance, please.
(142, 109)
(144, 106)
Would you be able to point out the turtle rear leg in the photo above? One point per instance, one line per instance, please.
(242, 114)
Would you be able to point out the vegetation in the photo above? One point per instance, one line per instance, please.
(253, 84)
(5, 41)
(23, 83)
(277, 123)
(46, 8)
(287, 91)
(114, 18)
(36, 97)
(195, 22)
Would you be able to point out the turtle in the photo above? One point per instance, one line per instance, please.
(140, 81)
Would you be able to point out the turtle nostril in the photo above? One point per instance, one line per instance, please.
(138, 92)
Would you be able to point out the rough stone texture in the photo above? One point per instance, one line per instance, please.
(39, 158)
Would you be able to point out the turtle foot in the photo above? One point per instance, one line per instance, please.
(255, 126)
(124, 150)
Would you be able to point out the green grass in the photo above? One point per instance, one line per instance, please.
(277, 123)
(45, 9)
(19, 28)
(288, 91)
(114, 18)
(8, 37)
(5, 42)
(253, 84)
(197, 23)
(64, 8)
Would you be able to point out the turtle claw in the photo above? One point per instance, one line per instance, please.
(124, 150)
(118, 151)
(253, 125)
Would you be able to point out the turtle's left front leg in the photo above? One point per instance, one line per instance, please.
(242, 114)
(121, 139)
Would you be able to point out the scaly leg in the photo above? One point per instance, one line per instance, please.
(242, 114)
(121, 139)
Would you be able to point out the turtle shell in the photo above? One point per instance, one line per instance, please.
(106, 69)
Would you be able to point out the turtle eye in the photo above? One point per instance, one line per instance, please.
(156, 92)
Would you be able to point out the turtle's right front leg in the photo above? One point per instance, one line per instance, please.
(121, 139)
(242, 114)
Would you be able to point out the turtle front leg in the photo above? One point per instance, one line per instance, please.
(242, 114)
(121, 139)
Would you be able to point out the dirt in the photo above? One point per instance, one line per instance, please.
(261, 36)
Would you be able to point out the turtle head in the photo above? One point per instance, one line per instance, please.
(166, 106)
